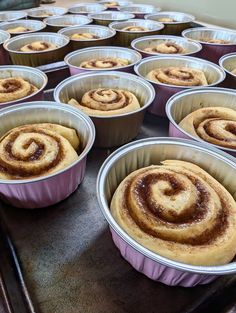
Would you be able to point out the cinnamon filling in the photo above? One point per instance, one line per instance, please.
(11, 85)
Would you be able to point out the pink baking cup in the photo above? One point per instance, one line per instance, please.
(32, 75)
(151, 151)
(75, 58)
(186, 102)
(47, 190)
(214, 75)
(4, 57)
(211, 51)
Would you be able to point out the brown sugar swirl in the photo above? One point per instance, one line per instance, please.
(178, 211)
(104, 63)
(216, 125)
(107, 101)
(31, 151)
(166, 48)
(38, 46)
(178, 76)
(15, 88)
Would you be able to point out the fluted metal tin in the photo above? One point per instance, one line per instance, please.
(33, 25)
(105, 34)
(214, 75)
(183, 21)
(211, 51)
(8, 16)
(46, 11)
(105, 18)
(37, 58)
(124, 38)
(139, 10)
(151, 151)
(4, 57)
(188, 101)
(110, 130)
(119, 3)
(191, 48)
(32, 75)
(75, 58)
(47, 190)
(87, 8)
(228, 63)
(55, 23)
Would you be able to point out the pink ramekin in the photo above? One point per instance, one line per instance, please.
(214, 74)
(4, 57)
(143, 153)
(32, 75)
(211, 51)
(47, 190)
(188, 101)
(74, 59)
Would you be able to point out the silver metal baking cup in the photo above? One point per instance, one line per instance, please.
(139, 10)
(228, 63)
(86, 8)
(75, 58)
(120, 3)
(151, 151)
(37, 58)
(56, 23)
(110, 130)
(7, 16)
(41, 12)
(33, 25)
(124, 38)
(4, 36)
(214, 74)
(190, 47)
(46, 190)
(105, 35)
(173, 28)
(4, 56)
(105, 18)
(188, 101)
(32, 75)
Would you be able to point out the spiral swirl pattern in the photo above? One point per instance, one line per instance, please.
(106, 102)
(165, 48)
(178, 211)
(135, 28)
(178, 76)
(38, 46)
(19, 29)
(15, 88)
(104, 63)
(216, 125)
(84, 36)
(36, 150)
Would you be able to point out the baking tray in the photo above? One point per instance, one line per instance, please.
(62, 259)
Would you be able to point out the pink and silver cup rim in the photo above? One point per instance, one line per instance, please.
(6, 34)
(141, 7)
(158, 26)
(224, 58)
(148, 59)
(208, 90)
(62, 107)
(103, 48)
(133, 43)
(189, 18)
(229, 268)
(88, 4)
(28, 69)
(18, 15)
(120, 16)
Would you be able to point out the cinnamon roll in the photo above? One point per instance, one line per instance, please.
(45, 14)
(234, 71)
(15, 88)
(19, 29)
(135, 28)
(38, 46)
(167, 47)
(104, 63)
(111, 5)
(216, 41)
(84, 36)
(166, 20)
(178, 76)
(106, 102)
(215, 125)
(36, 150)
(179, 211)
